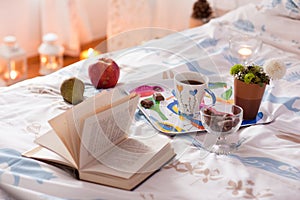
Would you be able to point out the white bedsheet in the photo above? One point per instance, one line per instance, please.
(266, 166)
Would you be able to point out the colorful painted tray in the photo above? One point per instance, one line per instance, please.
(163, 115)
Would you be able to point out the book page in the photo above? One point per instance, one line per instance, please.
(51, 149)
(68, 125)
(129, 157)
(44, 154)
(105, 129)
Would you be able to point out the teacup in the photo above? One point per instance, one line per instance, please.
(190, 89)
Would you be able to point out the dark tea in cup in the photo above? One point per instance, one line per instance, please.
(191, 82)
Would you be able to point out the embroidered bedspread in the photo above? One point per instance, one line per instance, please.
(266, 165)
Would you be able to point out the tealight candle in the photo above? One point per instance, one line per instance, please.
(88, 53)
(244, 52)
(13, 74)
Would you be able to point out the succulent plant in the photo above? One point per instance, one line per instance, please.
(252, 74)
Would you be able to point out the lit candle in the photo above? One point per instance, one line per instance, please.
(43, 60)
(87, 53)
(52, 63)
(13, 74)
(52, 66)
(244, 52)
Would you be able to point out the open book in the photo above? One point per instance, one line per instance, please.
(94, 138)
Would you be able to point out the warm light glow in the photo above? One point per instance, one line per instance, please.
(13, 74)
(52, 66)
(13, 65)
(43, 59)
(13, 70)
(50, 63)
(245, 52)
(90, 51)
(87, 53)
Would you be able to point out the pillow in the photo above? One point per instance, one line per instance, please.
(275, 30)
(285, 8)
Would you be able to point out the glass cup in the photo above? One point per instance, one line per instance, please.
(221, 119)
(244, 47)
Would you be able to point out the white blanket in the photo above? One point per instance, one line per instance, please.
(266, 166)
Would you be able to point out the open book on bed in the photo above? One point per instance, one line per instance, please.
(93, 138)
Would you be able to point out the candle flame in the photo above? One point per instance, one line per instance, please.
(43, 59)
(244, 51)
(13, 74)
(90, 51)
(52, 66)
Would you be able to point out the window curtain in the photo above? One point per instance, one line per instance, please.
(76, 22)
(66, 19)
(132, 22)
(21, 19)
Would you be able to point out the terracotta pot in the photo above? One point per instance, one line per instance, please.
(248, 96)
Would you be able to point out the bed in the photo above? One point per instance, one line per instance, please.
(267, 163)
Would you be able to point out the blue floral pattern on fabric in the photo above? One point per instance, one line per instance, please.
(292, 77)
(19, 165)
(287, 6)
(274, 166)
(244, 25)
(208, 42)
(232, 60)
(275, 3)
(290, 5)
(263, 28)
(195, 67)
(288, 102)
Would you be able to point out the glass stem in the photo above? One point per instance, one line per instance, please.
(221, 139)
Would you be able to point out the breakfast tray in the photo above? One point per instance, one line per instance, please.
(163, 115)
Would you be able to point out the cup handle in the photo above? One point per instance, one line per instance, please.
(213, 96)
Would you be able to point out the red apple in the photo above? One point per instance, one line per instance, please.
(104, 73)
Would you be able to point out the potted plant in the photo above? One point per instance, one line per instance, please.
(250, 83)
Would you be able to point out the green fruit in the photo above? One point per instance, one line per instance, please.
(72, 90)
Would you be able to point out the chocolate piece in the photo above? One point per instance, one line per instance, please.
(146, 103)
(226, 125)
(158, 96)
(219, 121)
